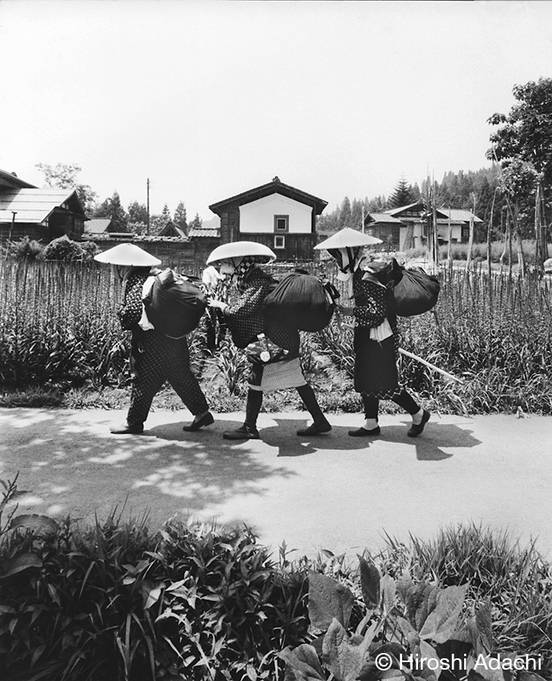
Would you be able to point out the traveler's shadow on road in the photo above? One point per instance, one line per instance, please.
(67, 464)
(429, 446)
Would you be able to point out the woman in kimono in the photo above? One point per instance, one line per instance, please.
(376, 339)
(156, 358)
(246, 321)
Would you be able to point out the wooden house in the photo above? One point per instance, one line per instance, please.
(276, 214)
(171, 229)
(406, 226)
(41, 214)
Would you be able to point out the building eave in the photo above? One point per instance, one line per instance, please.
(273, 187)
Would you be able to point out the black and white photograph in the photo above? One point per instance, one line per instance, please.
(275, 340)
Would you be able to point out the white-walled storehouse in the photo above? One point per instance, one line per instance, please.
(276, 214)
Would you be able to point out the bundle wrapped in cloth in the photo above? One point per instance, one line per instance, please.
(416, 292)
(301, 301)
(174, 304)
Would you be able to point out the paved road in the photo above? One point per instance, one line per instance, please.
(333, 491)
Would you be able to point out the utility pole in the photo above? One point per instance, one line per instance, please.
(147, 206)
(14, 213)
(362, 226)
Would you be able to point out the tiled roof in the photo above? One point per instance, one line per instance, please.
(32, 205)
(274, 187)
(197, 232)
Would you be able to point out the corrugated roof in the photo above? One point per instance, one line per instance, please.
(31, 205)
(393, 211)
(460, 214)
(382, 217)
(96, 225)
(213, 233)
(11, 180)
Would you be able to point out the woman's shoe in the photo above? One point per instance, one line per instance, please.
(362, 432)
(416, 429)
(245, 432)
(199, 422)
(316, 428)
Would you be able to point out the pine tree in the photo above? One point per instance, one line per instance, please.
(402, 195)
(180, 219)
(112, 208)
(137, 212)
(345, 216)
(196, 223)
(118, 214)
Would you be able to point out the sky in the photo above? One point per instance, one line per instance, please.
(209, 99)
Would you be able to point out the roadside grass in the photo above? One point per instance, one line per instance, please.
(120, 600)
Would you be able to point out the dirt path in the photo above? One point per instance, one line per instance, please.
(333, 491)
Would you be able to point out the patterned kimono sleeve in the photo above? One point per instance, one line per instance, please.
(370, 310)
(247, 305)
(131, 311)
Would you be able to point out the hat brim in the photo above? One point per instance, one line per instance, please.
(127, 255)
(241, 249)
(348, 238)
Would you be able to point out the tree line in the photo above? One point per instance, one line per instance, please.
(134, 219)
(513, 196)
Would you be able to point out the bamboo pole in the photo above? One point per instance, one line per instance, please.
(470, 239)
(431, 366)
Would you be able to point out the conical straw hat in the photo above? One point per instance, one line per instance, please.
(129, 255)
(348, 238)
(241, 249)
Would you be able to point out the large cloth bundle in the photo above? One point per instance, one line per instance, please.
(301, 301)
(174, 304)
(415, 293)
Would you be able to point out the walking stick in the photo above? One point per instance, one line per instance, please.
(430, 365)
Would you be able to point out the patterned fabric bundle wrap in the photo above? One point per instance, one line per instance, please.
(376, 371)
(264, 351)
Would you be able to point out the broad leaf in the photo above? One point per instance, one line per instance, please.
(342, 659)
(328, 600)
(428, 652)
(39, 524)
(389, 591)
(21, 562)
(369, 582)
(302, 664)
(409, 633)
(483, 621)
(151, 595)
(420, 599)
(441, 621)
